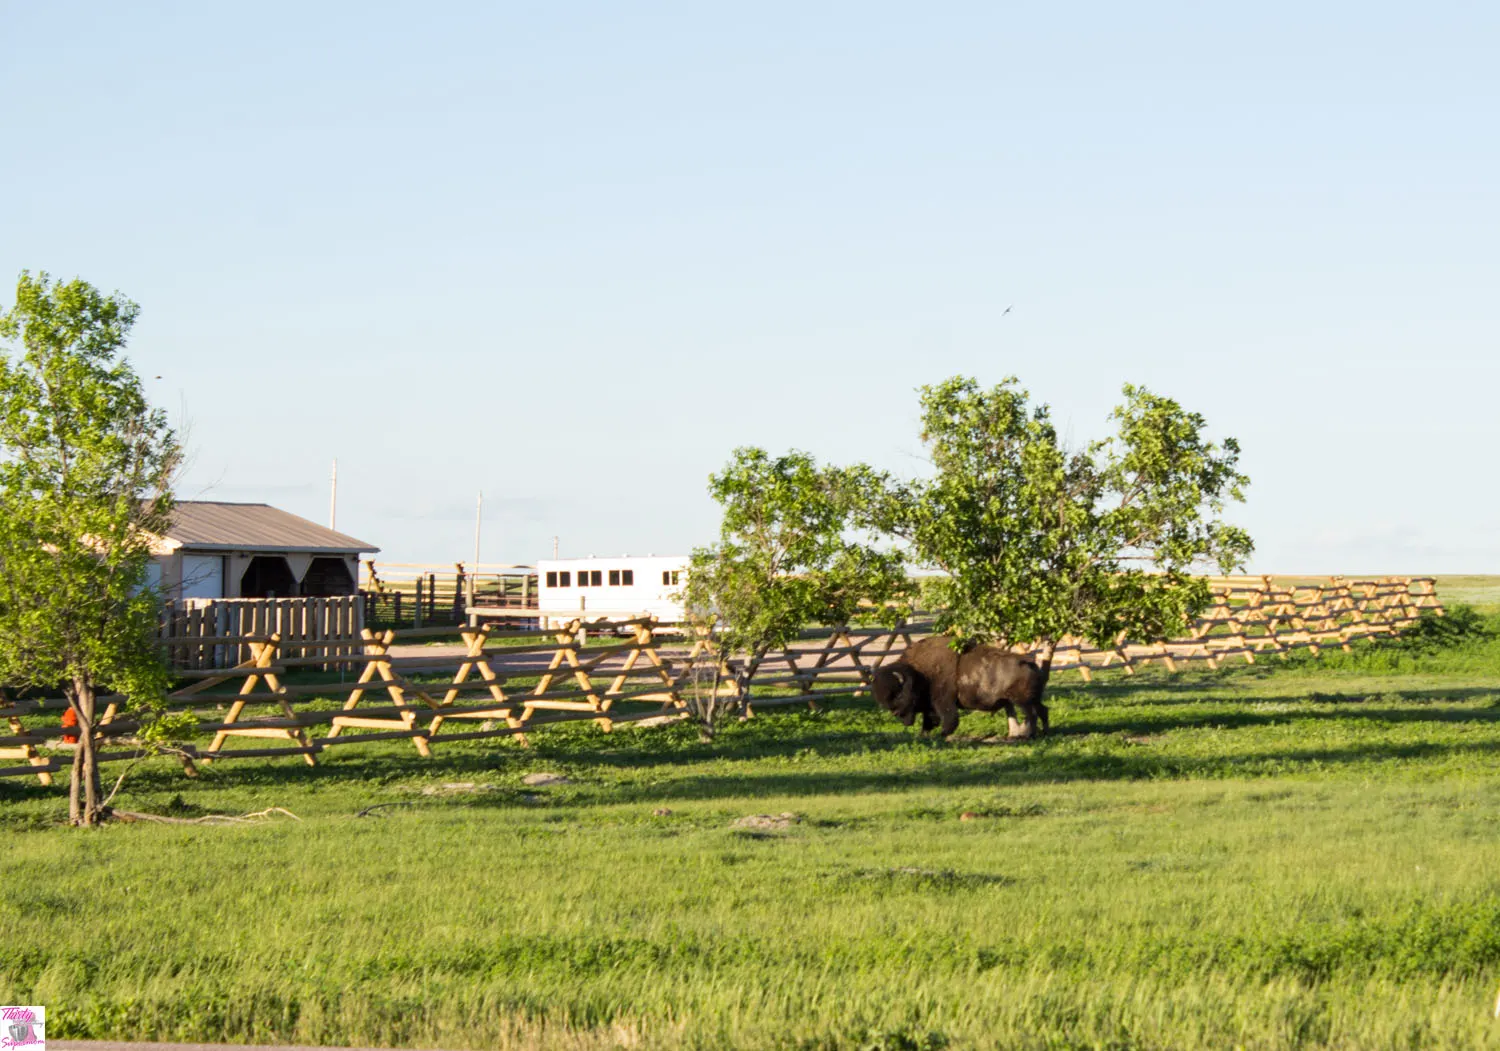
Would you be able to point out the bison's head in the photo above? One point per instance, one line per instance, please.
(897, 689)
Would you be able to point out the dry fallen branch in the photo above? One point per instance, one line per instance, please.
(147, 753)
(367, 811)
(207, 819)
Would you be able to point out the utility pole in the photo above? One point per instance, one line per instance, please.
(473, 574)
(478, 519)
(333, 497)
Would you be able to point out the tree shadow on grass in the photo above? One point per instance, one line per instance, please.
(1056, 768)
(1356, 710)
(1219, 693)
(455, 762)
(851, 727)
(1034, 765)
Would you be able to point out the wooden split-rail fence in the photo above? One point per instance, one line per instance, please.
(1254, 615)
(511, 683)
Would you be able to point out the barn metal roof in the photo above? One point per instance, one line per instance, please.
(205, 524)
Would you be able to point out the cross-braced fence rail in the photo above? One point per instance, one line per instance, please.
(512, 683)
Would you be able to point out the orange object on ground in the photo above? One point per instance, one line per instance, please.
(70, 718)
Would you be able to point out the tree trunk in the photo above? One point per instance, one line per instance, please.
(742, 679)
(706, 704)
(85, 795)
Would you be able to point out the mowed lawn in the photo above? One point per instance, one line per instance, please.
(1290, 855)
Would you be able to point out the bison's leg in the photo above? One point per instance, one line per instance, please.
(948, 715)
(1043, 716)
(1012, 728)
(929, 722)
(1028, 731)
(1021, 731)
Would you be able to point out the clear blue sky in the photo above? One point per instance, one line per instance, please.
(574, 254)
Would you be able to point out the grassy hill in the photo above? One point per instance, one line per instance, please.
(1287, 855)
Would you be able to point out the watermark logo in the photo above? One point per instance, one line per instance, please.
(23, 1027)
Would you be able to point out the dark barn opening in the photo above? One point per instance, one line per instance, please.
(268, 576)
(328, 576)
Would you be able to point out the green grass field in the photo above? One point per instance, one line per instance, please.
(1298, 854)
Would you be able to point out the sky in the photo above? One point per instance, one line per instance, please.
(572, 255)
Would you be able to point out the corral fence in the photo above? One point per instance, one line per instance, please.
(512, 683)
(425, 594)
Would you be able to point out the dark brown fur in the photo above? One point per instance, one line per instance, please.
(935, 681)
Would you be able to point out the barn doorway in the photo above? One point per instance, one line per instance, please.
(328, 576)
(268, 576)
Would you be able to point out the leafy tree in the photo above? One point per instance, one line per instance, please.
(85, 472)
(783, 561)
(1036, 542)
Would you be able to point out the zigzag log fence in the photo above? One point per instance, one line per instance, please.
(626, 677)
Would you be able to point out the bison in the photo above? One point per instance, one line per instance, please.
(934, 680)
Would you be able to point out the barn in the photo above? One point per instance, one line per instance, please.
(228, 550)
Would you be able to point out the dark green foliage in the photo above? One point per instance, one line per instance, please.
(1460, 626)
(1036, 542)
(784, 559)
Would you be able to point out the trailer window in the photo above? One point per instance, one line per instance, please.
(614, 578)
(552, 579)
(627, 577)
(564, 579)
(595, 578)
(669, 576)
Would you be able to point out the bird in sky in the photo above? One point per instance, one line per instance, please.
(1007, 310)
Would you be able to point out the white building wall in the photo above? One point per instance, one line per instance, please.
(202, 576)
(155, 575)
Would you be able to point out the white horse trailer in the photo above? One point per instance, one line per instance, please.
(611, 588)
